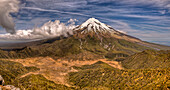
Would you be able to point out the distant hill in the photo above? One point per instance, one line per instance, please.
(148, 59)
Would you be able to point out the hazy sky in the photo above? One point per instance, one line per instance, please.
(148, 20)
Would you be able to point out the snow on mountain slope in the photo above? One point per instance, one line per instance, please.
(95, 28)
(93, 25)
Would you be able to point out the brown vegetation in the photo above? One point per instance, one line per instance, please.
(57, 70)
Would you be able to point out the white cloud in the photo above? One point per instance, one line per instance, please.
(7, 7)
(162, 11)
(150, 17)
(56, 11)
(48, 30)
(155, 3)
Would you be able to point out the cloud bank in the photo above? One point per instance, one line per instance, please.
(7, 7)
(48, 30)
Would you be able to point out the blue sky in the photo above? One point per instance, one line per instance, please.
(148, 20)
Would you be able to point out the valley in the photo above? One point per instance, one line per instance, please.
(102, 74)
(57, 70)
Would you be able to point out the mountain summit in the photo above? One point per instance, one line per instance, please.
(95, 28)
(93, 25)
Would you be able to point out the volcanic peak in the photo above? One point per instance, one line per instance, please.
(93, 25)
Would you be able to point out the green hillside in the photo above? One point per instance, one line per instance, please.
(148, 59)
(36, 82)
(67, 47)
(99, 75)
(102, 76)
(12, 72)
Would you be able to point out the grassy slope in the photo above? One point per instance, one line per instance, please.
(71, 46)
(58, 48)
(148, 59)
(11, 72)
(102, 76)
(37, 82)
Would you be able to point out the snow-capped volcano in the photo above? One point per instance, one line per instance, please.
(95, 28)
(93, 25)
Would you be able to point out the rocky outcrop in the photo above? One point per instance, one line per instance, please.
(6, 87)
(1, 80)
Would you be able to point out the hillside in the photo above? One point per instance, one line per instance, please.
(74, 46)
(12, 72)
(148, 59)
(102, 76)
(99, 74)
